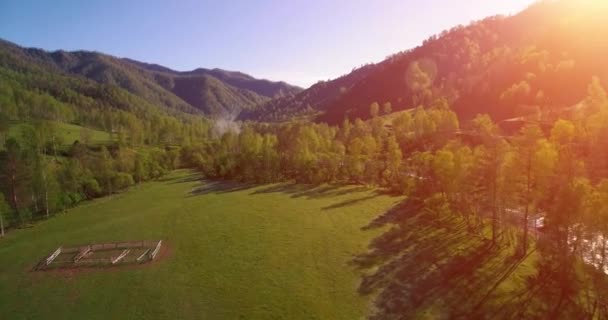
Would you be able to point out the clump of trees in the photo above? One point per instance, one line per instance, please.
(39, 182)
(357, 152)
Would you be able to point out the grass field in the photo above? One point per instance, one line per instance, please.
(280, 251)
(69, 133)
(236, 252)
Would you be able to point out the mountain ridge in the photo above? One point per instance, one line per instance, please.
(213, 92)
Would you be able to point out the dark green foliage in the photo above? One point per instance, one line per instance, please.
(214, 97)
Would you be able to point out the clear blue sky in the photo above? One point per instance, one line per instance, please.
(299, 41)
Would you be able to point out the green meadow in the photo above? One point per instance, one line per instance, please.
(69, 133)
(234, 252)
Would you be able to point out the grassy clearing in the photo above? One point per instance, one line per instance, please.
(278, 251)
(275, 251)
(69, 132)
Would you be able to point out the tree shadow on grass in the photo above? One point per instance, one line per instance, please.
(430, 266)
(564, 287)
(310, 191)
(350, 202)
(294, 190)
(220, 187)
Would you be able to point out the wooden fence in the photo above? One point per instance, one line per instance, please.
(79, 256)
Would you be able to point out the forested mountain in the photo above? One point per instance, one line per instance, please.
(213, 92)
(237, 79)
(320, 94)
(541, 59)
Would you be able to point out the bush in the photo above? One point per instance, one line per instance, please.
(122, 181)
(92, 188)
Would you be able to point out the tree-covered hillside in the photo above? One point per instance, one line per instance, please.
(214, 92)
(538, 60)
(237, 79)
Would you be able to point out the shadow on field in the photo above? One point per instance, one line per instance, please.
(311, 191)
(433, 267)
(219, 187)
(294, 190)
(350, 202)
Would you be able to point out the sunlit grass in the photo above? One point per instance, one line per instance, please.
(68, 132)
(236, 252)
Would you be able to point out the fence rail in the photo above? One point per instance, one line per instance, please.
(53, 256)
(156, 250)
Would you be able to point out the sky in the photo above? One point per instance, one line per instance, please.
(297, 41)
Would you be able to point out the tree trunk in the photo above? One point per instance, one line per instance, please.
(46, 196)
(35, 201)
(603, 253)
(46, 203)
(14, 191)
(1, 226)
(527, 209)
(525, 240)
(54, 147)
(494, 226)
(494, 215)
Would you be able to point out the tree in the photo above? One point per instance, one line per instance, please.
(566, 204)
(4, 127)
(387, 108)
(421, 74)
(139, 168)
(597, 99)
(402, 127)
(484, 126)
(563, 132)
(444, 171)
(344, 133)
(355, 164)
(488, 159)
(121, 181)
(461, 187)
(394, 158)
(374, 109)
(4, 213)
(517, 94)
(437, 205)
(12, 171)
(422, 123)
(597, 219)
(526, 146)
(104, 169)
(269, 158)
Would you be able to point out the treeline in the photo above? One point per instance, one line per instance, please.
(41, 178)
(358, 152)
(503, 187)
